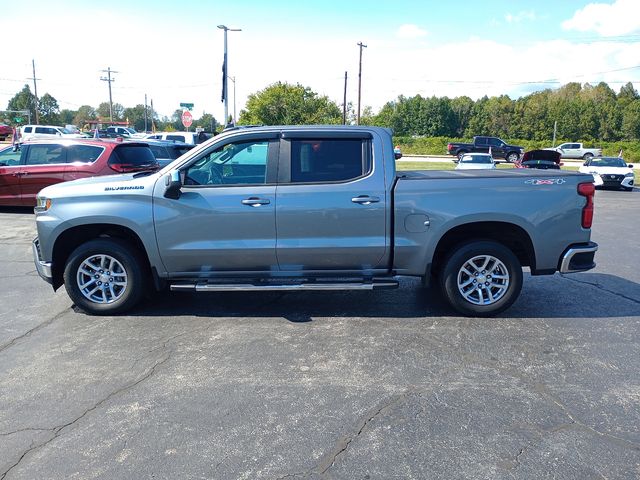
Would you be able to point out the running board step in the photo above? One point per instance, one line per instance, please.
(270, 287)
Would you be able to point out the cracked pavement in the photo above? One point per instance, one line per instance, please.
(357, 385)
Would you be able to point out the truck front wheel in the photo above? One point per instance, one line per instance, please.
(104, 276)
(481, 278)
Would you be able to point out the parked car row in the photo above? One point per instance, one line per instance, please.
(40, 163)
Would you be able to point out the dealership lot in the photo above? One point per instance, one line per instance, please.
(385, 384)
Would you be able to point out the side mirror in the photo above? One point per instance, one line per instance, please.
(174, 184)
(630, 165)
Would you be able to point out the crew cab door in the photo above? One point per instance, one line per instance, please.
(42, 165)
(224, 218)
(331, 203)
(9, 176)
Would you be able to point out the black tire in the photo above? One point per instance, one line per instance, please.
(587, 156)
(471, 302)
(108, 253)
(460, 154)
(512, 157)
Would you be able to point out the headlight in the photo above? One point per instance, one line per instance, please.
(42, 204)
(629, 175)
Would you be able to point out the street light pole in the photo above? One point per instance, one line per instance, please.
(225, 68)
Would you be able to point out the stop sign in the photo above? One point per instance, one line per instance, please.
(187, 118)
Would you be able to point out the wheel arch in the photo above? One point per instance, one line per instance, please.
(73, 237)
(510, 235)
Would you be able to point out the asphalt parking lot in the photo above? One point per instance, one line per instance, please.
(357, 385)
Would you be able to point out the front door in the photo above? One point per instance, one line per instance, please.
(10, 177)
(331, 206)
(224, 219)
(43, 165)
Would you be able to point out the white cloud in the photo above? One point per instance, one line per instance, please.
(409, 30)
(619, 18)
(520, 16)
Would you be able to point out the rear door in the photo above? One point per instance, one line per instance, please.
(331, 203)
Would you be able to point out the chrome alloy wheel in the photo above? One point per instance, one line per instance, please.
(101, 279)
(483, 280)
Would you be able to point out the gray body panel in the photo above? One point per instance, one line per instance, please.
(549, 213)
(316, 229)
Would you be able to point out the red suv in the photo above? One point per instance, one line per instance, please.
(39, 164)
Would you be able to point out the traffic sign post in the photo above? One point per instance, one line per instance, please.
(187, 119)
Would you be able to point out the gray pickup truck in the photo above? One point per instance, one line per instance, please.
(310, 208)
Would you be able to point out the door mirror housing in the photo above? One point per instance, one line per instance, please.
(173, 183)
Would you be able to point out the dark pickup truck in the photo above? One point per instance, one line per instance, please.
(499, 148)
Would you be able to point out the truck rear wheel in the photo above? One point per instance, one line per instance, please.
(481, 278)
(587, 156)
(461, 154)
(104, 276)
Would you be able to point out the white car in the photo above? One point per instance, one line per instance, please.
(476, 161)
(46, 132)
(610, 172)
(185, 137)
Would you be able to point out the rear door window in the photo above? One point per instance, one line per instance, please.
(83, 153)
(133, 156)
(46, 155)
(328, 160)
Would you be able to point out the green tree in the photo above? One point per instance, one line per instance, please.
(103, 111)
(23, 100)
(631, 121)
(49, 110)
(208, 122)
(67, 116)
(285, 104)
(135, 117)
(83, 115)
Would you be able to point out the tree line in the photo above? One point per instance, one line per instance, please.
(49, 113)
(582, 112)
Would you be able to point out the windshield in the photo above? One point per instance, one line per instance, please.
(608, 162)
(476, 159)
(131, 131)
(66, 131)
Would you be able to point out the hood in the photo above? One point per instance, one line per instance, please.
(129, 183)
(606, 170)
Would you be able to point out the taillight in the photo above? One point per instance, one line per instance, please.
(587, 190)
(449, 147)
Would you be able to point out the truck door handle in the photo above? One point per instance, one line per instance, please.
(256, 201)
(365, 200)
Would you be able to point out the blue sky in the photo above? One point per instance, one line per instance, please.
(173, 51)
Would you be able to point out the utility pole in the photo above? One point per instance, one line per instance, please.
(145, 113)
(153, 125)
(361, 45)
(35, 90)
(109, 79)
(225, 69)
(344, 101)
